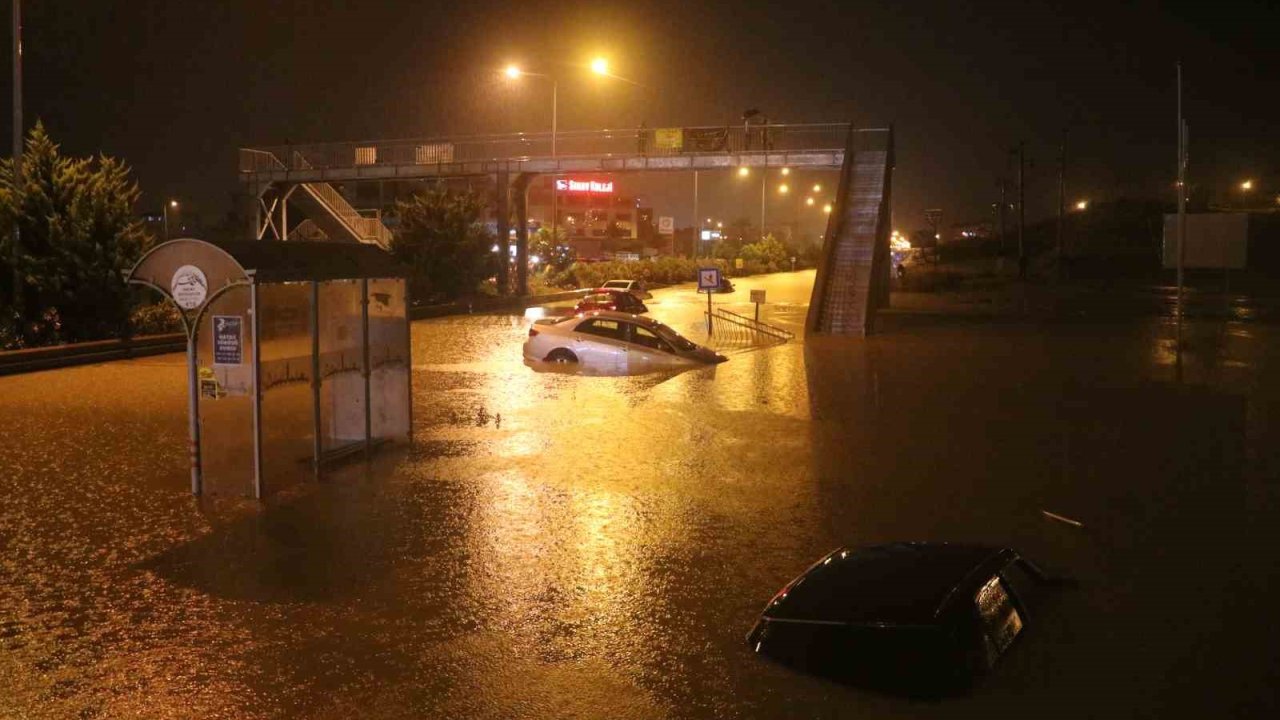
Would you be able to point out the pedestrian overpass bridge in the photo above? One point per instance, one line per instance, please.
(853, 273)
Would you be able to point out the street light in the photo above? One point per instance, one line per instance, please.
(1082, 204)
(827, 208)
(171, 204)
(808, 201)
(783, 189)
(744, 171)
(1246, 185)
(600, 66)
(786, 171)
(817, 188)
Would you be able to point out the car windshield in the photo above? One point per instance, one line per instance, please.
(674, 338)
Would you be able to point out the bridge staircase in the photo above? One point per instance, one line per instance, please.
(326, 208)
(853, 271)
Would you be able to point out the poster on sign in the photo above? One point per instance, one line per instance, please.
(708, 278)
(228, 345)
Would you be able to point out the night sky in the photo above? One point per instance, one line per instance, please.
(174, 86)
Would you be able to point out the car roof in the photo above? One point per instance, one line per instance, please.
(897, 584)
(615, 315)
(611, 291)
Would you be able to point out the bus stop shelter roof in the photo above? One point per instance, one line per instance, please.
(268, 261)
(274, 261)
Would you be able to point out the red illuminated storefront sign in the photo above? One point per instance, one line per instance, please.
(585, 186)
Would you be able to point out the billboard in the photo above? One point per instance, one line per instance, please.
(1214, 240)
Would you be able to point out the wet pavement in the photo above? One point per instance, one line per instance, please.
(559, 545)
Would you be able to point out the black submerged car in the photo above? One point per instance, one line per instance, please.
(919, 618)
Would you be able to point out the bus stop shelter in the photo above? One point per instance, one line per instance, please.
(297, 353)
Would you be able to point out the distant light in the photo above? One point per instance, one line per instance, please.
(173, 203)
(600, 66)
(783, 189)
(1246, 185)
(720, 224)
(494, 248)
(708, 221)
(937, 236)
(534, 259)
(826, 208)
(817, 188)
(808, 201)
(786, 171)
(1082, 205)
(512, 72)
(743, 171)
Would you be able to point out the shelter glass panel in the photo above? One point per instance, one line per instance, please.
(342, 401)
(284, 336)
(224, 357)
(388, 359)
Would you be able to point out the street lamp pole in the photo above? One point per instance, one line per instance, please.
(17, 147)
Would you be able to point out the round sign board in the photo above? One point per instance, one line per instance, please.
(189, 287)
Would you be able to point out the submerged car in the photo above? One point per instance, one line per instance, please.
(725, 286)
(920, 618)
(607, 299)
(614, 341)
(635, 287)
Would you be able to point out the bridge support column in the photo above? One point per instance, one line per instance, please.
(502, 188)
(520, 193)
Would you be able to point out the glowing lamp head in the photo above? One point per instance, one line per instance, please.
(817, 188)
(808, 201)
(512, 72)
(786, 171)
(1246, 185)
(827, 208)
(600, 66)
(1082, 205)
(744, 171)
(783, 189)
(173, 203)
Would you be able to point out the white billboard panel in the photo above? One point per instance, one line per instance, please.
(1214, 240)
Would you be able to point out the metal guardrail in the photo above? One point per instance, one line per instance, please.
(651, 142)
(14, 362)
(729, 326)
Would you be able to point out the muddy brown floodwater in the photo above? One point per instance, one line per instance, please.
(556, 545)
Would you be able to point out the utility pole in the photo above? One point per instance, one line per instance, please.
(1004, 205)
(17, 147)
(1182, 205)
(697, 223)
(1062, 200)
(1022, 215)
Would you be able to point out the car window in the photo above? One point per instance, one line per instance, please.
(615, 284)
(1000, 620)
(641, 336)
(611, 329)
(675, 338)
(598, 298)
(1023, 584)
(627, 301)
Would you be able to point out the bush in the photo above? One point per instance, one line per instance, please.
(155, 319)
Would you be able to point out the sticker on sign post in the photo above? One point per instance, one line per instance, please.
(189, 287)
(228, 345)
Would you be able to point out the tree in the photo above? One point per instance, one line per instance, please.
(78, 235)
(441, 238)
(768, 251)
(556, 254)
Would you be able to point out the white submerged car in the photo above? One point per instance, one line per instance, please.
(614, 341)
(635, 287)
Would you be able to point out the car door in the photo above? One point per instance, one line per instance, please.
(647, 350)
(600, 343)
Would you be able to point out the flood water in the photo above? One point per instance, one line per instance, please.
(562, 545)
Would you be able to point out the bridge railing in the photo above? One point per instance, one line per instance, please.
(628, 142)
